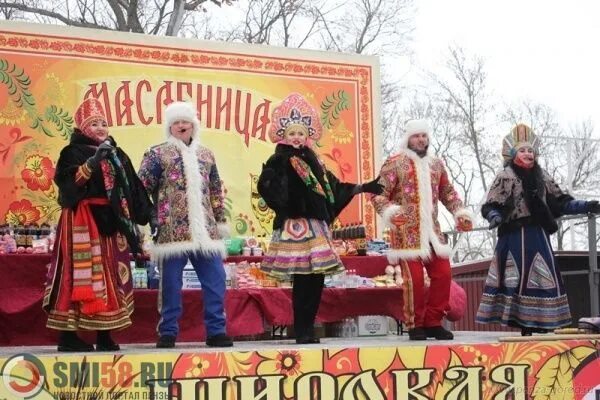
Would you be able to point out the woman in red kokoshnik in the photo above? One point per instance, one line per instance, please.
(306, 198)
(89, 284)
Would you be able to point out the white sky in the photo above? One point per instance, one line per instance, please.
(546, 51)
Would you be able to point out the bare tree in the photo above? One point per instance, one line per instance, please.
(288, 23)
(9, 13)
(540, 117)
(469, 108)
(574, 159)
(368, 26)
(392, 115)
(155, 17)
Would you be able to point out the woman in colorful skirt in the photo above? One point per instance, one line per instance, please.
(89, 283)
(524, 288)
(306, 198)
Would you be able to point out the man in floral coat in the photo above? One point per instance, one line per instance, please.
(189, 222)
(414, 181)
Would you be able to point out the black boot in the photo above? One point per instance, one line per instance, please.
(306, 297)
(526, 331)
(105, 343)
(219, 340)
(307, 340)
(439, 332)
(417, 334)
(70, 342)
(308, 337)
(166, 342)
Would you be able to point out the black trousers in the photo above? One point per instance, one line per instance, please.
(306, 297)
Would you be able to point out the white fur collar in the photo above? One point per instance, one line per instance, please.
(192, 147)
(198, 225)
(426, 217)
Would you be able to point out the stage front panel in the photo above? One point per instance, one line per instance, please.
(280, 370)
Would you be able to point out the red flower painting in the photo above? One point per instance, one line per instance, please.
(38, 172)
(22, 212)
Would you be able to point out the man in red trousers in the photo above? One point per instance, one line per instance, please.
(414, 181)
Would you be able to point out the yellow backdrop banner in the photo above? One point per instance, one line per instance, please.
(46, 71)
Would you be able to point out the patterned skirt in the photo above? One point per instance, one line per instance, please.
(64, 313)
(301, 246)
(524, 287)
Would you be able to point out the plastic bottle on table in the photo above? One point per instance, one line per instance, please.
(353, 328)
(346, 328)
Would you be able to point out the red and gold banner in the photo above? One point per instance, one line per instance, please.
(516, 371)
(46, 71)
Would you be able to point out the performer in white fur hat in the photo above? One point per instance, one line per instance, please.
(414, 181)
(189, 222)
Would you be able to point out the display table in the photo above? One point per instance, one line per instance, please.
(23, 322)
(336, 304)
(367, 266)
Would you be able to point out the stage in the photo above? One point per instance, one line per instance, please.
(473, 366)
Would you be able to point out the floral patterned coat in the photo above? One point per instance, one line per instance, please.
(412, 188)
(188, 194)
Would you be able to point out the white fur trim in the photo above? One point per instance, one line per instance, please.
(426, 225)
(464, 213)
(224, 230)
(415, 126)
(388, 213)
(181, 110)
(201, 241)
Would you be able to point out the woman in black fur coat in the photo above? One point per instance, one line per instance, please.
(306, 198)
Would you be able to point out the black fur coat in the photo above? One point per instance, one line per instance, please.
(70, 194)
(286, 193)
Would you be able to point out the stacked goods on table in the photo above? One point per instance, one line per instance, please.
(246, 246)
(350, 240)
(29, 239)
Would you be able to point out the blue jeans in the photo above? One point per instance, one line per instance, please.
(211, 275)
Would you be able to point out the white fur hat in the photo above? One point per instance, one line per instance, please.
(180, 110)
(412, 127)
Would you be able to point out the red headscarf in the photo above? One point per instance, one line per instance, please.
(90, 110)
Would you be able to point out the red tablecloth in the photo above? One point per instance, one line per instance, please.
(25, 322)
(22, 320)
(336, 304)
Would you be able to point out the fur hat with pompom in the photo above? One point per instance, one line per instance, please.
(181, 110)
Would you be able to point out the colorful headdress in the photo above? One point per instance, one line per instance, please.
(519, 136)
(91, 109)
(295, 110)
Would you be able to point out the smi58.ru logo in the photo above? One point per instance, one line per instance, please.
(23, 377)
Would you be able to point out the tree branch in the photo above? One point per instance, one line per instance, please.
(52, 14)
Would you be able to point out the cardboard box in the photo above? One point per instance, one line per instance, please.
(372, 325)
(191, 282)
(189, 274)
